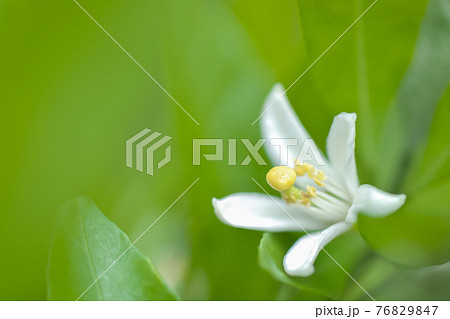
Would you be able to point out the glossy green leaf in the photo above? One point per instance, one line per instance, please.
(421, 89)
(328, 279)
(85, 244)
(418, 234)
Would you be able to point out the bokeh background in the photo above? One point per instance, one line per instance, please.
(70, 98)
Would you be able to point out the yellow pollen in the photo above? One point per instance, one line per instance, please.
(281, 178)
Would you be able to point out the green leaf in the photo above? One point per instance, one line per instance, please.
(107, 99)
(429, 283)
(85, 244)
(360, 72)
(418, 234)
(387, 282)
(422, 87)
(328, 279)
(433, 167)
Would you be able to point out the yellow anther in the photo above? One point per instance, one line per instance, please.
(299, 170)
(303, 168)
(316, 175)
(304, 200)
(318, 182)
(296, 195)
(281, 178)
(311, 191)
(321, 175)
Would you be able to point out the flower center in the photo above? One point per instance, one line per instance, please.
(282, 178)
(331, 199)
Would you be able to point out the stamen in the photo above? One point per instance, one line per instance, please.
(296, 195)
(331, 201)
(311, 191)
(321, 175)
(281, 178)
(318, 182)
(305, 200)
(316, 175)
(292, 195)
(303, 168)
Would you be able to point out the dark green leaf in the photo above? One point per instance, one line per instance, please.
(85, 244)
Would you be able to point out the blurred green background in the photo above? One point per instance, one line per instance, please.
(70, 98)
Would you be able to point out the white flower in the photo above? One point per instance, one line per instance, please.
(325, 200)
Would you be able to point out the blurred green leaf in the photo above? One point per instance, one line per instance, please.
(274, 28)
(387, 282)
(430, 283)
(72, 98)
(328, 279)
(85, 244)
(360, 72)
(433, 166)
(418, 234)
(226, 77)
(423, 85)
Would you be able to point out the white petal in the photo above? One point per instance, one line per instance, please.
(262, 212)
(374, 202)
(299, 260)
(278, 123)
(341, 148)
